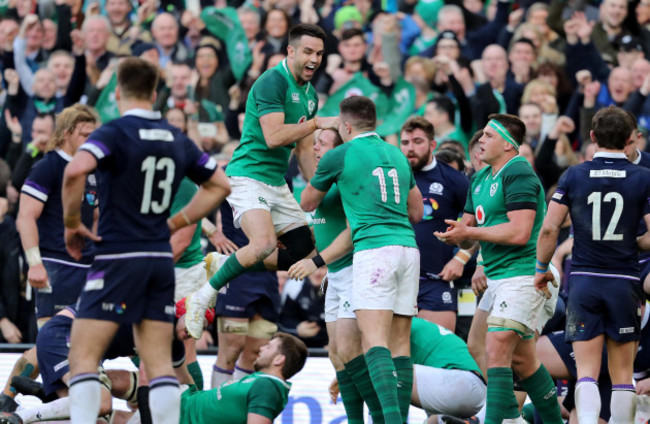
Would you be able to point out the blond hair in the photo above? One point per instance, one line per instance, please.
(67, 121)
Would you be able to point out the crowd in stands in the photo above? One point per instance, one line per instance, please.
(454, 62)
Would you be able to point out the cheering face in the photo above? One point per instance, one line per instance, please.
(417, 148)
(306, 55)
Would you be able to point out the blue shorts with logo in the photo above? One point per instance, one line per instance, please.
(437, 295)
(66, 283)
(604, 305)
(127, 290)
(250, 294)
(52, 347)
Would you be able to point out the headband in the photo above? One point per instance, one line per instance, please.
(503, 132)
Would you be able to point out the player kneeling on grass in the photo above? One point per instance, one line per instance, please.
(256, 399)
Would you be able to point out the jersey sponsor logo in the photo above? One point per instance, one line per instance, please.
(493, 189)
(626, 330)
(60, 365)
(557, 196)
(430, 205)
(311, 105)
(436, 188)
(156, 135)
(607, 173)
(480, 215)
(295, 97)
(477, 190)
(91, 198)
(319, 221)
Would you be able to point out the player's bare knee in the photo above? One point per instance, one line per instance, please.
(263, 246)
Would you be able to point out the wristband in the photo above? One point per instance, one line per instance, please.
(315, 123)
(210, 233)
(72, 221)
(541, 267)
(33, 256)
(178, 221)
(318, 261)
(463, 256)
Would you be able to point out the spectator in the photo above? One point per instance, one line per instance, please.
(95, 31)
(41, 131)
(609, 26)
(522, 58)
(440, 111)
(276, 31)
(123, 33)
(164, 31)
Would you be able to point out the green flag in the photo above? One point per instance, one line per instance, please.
(224, 24)
(358, 85)
(106, 104)
(402, 106)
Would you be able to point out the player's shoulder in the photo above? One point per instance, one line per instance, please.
(480, 174)
(271, 79)
(518, 166)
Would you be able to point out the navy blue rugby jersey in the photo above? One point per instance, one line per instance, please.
(444, 191)
(141, 160)
(44, 184)
(606, 197)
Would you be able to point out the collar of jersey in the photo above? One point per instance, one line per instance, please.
(365, 134)
(143, 113)
(430, 166)
(502, 168)
(279, 380)
(64, 155)
(286, 69)
(610, 155)
(638, 157)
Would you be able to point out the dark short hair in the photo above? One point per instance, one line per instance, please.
(444, 104)
(137, 78)
(294, 351)
(419, 122)
(449, 156)
(612, 127)
(513, 124)
(525, 40)
(305, 29)
(351, 33)
(454, 145)
(359, 112)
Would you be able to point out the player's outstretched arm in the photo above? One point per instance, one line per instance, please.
(210, 195)
(74, 182)
(277, 133)
(414, 205)
(311, 198)
(339, 247)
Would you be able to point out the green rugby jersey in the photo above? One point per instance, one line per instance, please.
(193, 254)
(490, 198)
(275, 91)
(230, 403)
(435, 346)
(329, 222)
(374, 179)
